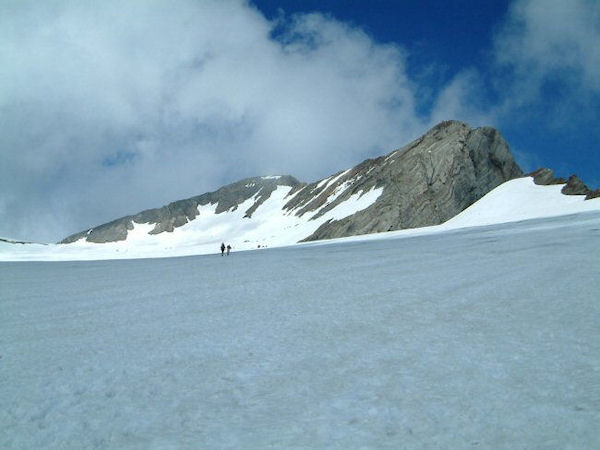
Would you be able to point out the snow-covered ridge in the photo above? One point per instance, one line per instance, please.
(269, 226)
(272, 226)
(454, 340)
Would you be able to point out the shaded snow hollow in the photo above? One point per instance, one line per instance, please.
(272, 226)
(485, 337)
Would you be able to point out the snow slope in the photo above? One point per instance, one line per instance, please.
(272, 226)
(521, 199)
(483, 337)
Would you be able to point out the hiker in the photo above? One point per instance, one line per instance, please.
(228, 249)
(222, 248)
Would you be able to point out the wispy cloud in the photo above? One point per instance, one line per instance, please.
(549, 50)
(464, 97)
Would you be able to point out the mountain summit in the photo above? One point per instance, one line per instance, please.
(427, 182)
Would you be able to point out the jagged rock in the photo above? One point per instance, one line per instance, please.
(545, 177)
(575, 186)
(593, 194)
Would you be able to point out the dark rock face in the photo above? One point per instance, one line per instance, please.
(181, 212)
(425, 183)
(545, 177)
(575, 186)
(593, 194)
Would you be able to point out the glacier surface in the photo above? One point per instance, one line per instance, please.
(483, 337)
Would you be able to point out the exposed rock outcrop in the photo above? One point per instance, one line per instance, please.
(575, 186)
(545, 177)
(593, 194)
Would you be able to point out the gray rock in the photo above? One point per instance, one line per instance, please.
(545, 177)
(575, 186)
(593, 194)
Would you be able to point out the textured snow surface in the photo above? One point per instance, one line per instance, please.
(486, 337)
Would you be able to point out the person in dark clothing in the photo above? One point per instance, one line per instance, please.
(228, 249)
(222, 248)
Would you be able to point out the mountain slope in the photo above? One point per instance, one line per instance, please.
(514, 201)
(178, 213)
(425, 183)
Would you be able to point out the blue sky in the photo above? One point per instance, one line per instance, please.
(445, 38)
(108, 108)
(432, 31)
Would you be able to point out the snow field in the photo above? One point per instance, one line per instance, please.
(521, 199)
(483, 337)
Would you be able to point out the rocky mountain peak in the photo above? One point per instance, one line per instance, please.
(424, 183)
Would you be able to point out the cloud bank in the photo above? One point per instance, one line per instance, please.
(107, 108)
(551, 58)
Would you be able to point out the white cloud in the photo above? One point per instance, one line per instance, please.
(107, 108)
(551, 43)
(110, 107)
(464, 97)
(546, 74)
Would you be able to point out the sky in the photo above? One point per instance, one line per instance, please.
(108, 108)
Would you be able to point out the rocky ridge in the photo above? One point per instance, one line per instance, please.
(176, 214)
(573, 186)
